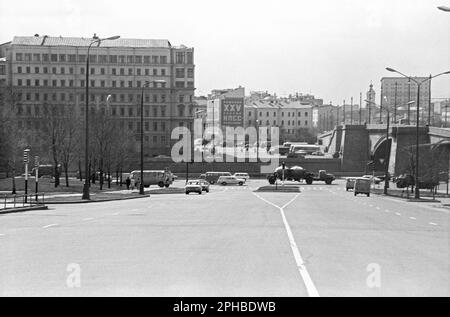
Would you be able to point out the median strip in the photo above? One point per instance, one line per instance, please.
(310, 287)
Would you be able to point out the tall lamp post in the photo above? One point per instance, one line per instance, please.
(444, 8)
(86, 194)
(418, 83)
(146, 85)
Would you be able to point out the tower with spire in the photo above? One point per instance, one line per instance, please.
(371, 94)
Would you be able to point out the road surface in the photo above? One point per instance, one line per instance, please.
(323, 241)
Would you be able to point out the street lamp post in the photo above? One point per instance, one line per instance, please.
(146, 85)
(86, 194)
(386, 155)
(416, 180)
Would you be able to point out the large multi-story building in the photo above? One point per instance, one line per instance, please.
(396, 92)
(292, 118)
(43, 70)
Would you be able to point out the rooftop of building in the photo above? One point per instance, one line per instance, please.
(266, 104)
(84, 42)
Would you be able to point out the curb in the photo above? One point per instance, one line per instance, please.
(411, 200)
(93, 201)
(17, 210)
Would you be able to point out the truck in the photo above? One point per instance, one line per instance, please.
(297, 173)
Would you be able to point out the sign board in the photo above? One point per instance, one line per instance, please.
(233, 112)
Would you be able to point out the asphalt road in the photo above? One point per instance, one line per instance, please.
(230, 242)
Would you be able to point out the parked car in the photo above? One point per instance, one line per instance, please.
(350, 184)
(362, 186)
(212, 177)
(318, 153)
(205, 185)
(193, 186)
(230, 180)
(406, 180)
(242, 175)
(373, 179)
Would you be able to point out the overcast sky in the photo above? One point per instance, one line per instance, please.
(330, 48)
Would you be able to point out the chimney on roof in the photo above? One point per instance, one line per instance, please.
(95, 37)
(36, 35)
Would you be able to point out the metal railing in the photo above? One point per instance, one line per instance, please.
(21, 201)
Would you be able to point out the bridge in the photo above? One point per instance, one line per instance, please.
(360, 144)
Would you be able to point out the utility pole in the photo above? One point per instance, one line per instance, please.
(429, 101)
(360, 108)
(344, 111)
(409, 98)
(395, 103)
(381, 103)
(351, 111)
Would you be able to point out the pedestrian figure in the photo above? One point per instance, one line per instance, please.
(128, 182)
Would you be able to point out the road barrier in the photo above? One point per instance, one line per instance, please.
(21, 201)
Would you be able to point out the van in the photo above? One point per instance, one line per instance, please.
(350, 183)
(162, 178)
(212, 177)
(230, 180)
(242, 175)
(362, 186)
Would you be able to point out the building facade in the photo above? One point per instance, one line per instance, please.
(396, 92)
(292, 118)
(42, 70)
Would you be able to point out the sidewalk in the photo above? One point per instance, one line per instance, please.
(426, 196)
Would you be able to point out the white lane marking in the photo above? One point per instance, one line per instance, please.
(116, 214)
(398, 214)
(412, 218)
(433, 224)
(87, 219)
(378, 208)
(387, 210)
(50, 226)
(371, 206)
(2, 234)
(310, 287)
(402, 201)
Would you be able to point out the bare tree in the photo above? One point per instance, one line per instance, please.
(54, 134)
(70, 142)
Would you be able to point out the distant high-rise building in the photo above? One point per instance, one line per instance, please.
(396, 92)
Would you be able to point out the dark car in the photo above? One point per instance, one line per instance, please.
(407, 180)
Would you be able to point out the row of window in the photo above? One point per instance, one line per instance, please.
(179, 72)
(96, 83)
(115, 111)
(155, 98)
(289, 114)
(180, 58)
(289, 123)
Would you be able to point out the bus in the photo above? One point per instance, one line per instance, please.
(162, 178)
(307, 148)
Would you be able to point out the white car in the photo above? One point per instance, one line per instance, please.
(373, 179)
(242, 175)
(230, 180)
(193, 186)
